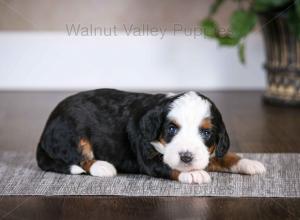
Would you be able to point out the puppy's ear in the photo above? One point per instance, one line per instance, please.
(151, 123)
(223, 142)
(221, 139)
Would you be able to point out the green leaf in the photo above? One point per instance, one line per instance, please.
(215, 6)
(297, 5)
(209, 28)
(241, 52)
(268, 5)
(228, 40)
(294, 22)
(242, 22)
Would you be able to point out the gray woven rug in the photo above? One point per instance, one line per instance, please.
(19, 175)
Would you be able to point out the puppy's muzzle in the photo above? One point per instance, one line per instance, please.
(186, 157)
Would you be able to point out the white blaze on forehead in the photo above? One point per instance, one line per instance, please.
(188, 112)
(189, 109)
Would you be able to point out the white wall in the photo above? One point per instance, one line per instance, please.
(55, 61)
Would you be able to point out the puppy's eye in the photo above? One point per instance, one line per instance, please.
(205, 133)
(172, 129)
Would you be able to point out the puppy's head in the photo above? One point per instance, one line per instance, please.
(190, 130)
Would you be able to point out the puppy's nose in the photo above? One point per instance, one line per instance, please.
(186, 156)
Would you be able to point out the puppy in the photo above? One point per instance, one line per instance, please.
(174, 136)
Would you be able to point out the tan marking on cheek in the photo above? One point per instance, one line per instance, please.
(174, 174)
(86, 149)
(206, 124)
(162, 141)
(211, 149)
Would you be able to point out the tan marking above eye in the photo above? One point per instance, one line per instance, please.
(206, 123)
(175, 123)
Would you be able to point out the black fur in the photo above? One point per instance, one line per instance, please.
(221, 138)
(119, 125)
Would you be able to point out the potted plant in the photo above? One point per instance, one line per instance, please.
(280, 25)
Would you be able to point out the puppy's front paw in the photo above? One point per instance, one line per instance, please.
(199, 176)
(251, 167)
(103, 169)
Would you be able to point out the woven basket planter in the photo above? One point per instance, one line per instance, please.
(282, 61)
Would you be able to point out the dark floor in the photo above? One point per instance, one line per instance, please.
(252, 126)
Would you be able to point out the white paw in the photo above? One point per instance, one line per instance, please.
(199, 177)
(74, 169)
(251, 167)
(103, 169)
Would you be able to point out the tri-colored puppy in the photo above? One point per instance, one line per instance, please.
(174, 136)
